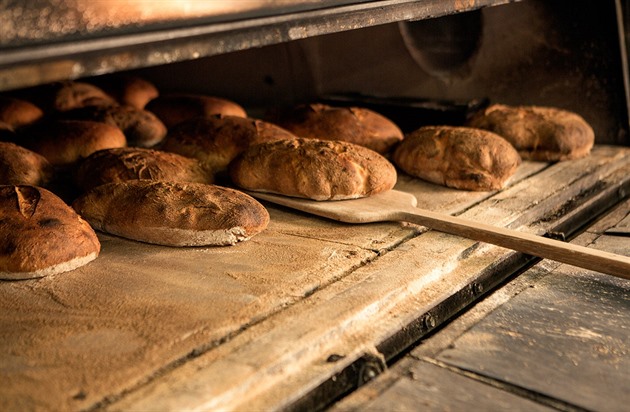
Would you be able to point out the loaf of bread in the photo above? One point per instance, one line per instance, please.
(7, 133)
(173, 213)
(132, 163)
(218, 139)
(141, 127)
(64, 142)
(128, 90)
(538, 133)
(18, 113)
(349, 124)
(457, 157)
(66, 95)
(176, 108)
(41, 235)
(20, 166)
(313, 169)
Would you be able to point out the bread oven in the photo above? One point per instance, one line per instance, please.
(310, 310)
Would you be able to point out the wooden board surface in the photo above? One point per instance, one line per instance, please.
(146, 327)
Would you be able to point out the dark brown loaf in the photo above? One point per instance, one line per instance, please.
(64, 142)
(218, 139)
(176, 108)
(458, 157)
(313, 169)
(20, 166)
(173, 214)
(129, 163)
(538, 133)
(18, 113)
(349, 124)
(128, 90)
(41, 235)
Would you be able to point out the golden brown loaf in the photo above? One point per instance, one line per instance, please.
(41, 235)
(131, 163)
(128, 90)
(141, 127)
(538, 133)
(313, 169)
(18, 113)
(64, 142)
(176, 108)
(218, 139)
(458, 157)
(172, 213)
(67, 95)
(349, 124)
(20, 166)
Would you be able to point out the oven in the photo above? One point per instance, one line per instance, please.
(311, 312)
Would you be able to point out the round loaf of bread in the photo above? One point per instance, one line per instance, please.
(18, 113)
(349, 124)
(141, 127)
(457, 157)
(20, 166)
(128, 90)
(132, 163)
(173, 213)
(41, 235)
(176, 108)
(313, 169)
(538, 133)
(64, 142)
(67, 95)
(218, 139)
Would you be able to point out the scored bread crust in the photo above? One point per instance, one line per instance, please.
(349, 124)
(176, 108)
(173, 213)
(313, 169)
(20, 166)
(41, 234)
(132, 163)
(538, 133)
(217, 140)
(457, 157)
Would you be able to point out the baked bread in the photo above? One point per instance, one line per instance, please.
(313, 169)
(7, 133)
(538, 133)
(173, 213)
(132, 163)
(141, 127)
(176, 108)
(18, 113)
(127, 89)
(41, 235)
(349, 124)
(64, 142)
(20, 166)
(66, 95)
(218, 139)
(457, 157)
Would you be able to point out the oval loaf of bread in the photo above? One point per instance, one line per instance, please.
(41, 235)
(538, 133)
(20, 166)
(457, 157)
(18, 113)
(128, 90)
(313, 169)
(173, 213)
(176, 108)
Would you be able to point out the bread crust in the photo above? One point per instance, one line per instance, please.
(20, 166)
(41, 234)
(538, 133)
(128, 90)
(18, 113)
(215, 141)
(176, 108)
(173, 213)
(349, 124)
(66, 95)
(130, 163)
(313, 169)
(457, 157)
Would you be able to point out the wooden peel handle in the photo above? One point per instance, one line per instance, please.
(587, 258)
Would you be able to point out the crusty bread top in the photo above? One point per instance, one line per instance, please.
(40, 231)
(128, 90)
(176, 108)
(18, 113)
(350, 124)
(64, 142)
(538, 133)
(458, 157)
(20, 166)
(313, 169)
(173, 213)
(218, 139)
(66, 95)
(130, 163)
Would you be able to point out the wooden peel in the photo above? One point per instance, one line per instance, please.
(399, 206)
